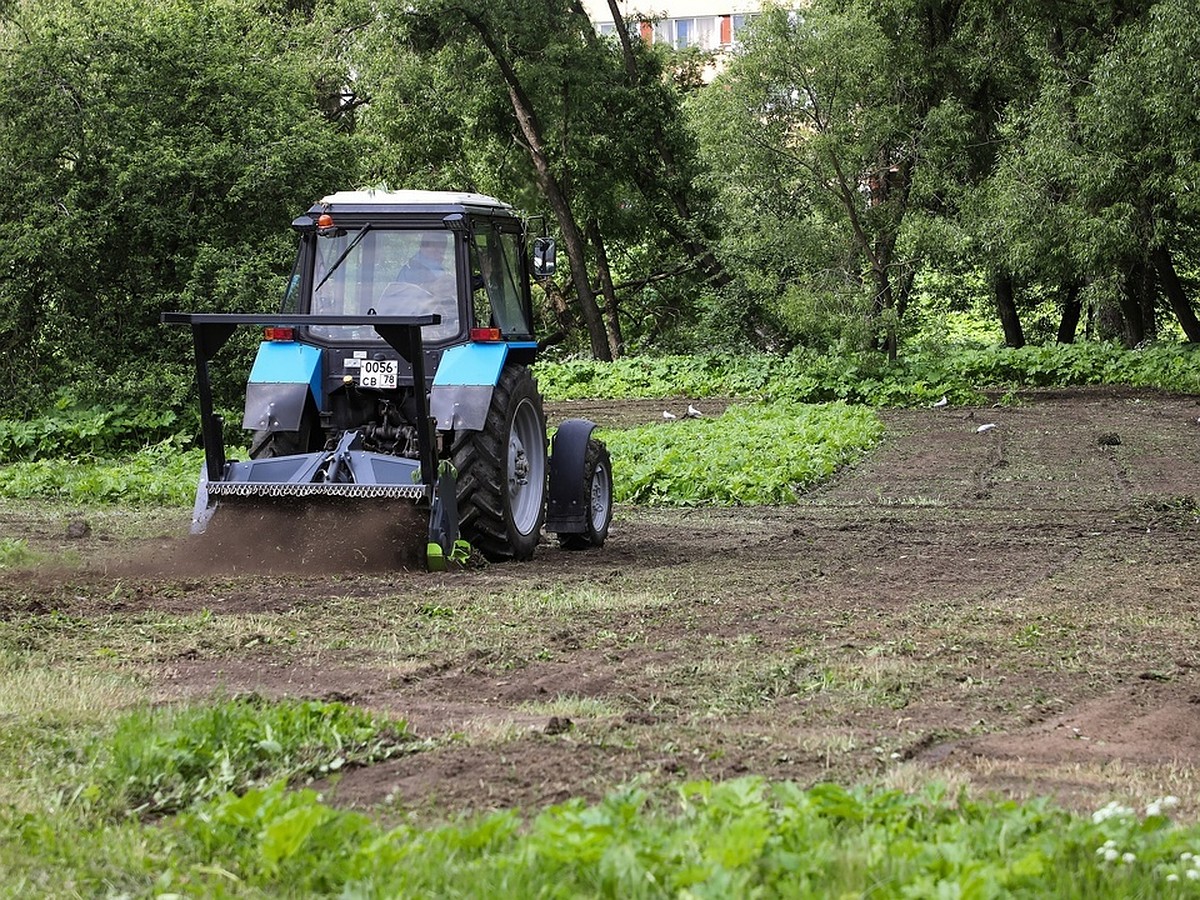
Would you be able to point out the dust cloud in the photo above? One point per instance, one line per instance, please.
(314, 536)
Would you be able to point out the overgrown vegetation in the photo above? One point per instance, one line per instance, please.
(74, 431)
(686, 463)
(162, 475)
(959, 373)
(761, 453)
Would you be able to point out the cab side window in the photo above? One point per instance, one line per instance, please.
(496, 282)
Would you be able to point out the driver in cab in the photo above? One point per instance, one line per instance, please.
(425, 281)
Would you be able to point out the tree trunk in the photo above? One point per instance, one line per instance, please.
(555, 195)
(1010, 320)
(656, 185)
(1072, 307)
(1132, 298)
(563, 319)
(904, 290)
(1173, 288)
(883, 308)
(612, 323)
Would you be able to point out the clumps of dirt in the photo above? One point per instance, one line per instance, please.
(320, 536)
(1144, 723)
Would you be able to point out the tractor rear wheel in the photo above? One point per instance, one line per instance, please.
(598, 494)
(502, 469)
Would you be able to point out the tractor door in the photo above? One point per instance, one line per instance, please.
(499, 283)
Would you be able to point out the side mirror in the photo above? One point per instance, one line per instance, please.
(544, 257)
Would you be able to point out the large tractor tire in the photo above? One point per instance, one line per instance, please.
(598, 492)
(502, 471)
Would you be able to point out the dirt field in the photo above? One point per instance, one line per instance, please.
(1011, 610)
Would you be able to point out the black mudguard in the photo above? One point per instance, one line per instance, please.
(567, 511)
(274, 406)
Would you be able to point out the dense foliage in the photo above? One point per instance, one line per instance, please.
(860, 147)
(153, 153)
(856, 176)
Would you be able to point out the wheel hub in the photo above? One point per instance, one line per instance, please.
(518, 464)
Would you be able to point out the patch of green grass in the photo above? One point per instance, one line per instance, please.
(159, 760)
(164, 475)
(754, 454)
(572, 705)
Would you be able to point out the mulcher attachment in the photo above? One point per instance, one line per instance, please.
(344, 473)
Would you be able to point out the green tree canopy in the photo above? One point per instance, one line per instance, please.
(151, 150)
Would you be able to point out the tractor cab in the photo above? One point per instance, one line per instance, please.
(459, 256)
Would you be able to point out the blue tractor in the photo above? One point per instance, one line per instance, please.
(398, 370)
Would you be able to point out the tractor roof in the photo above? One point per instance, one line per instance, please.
(379, 201)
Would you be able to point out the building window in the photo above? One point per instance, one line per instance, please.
(740, 21)
(692, 32)
(685, 33)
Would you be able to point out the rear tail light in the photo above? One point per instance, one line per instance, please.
(278, 333)
(486, 334)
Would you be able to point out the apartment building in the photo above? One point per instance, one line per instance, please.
(706, 24)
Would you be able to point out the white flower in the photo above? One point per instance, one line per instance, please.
(1112, 810)
(1185, 856)
(1156, 807)
(1172, 877)
(1110, 854)
(1192, 874)
(1128, 858)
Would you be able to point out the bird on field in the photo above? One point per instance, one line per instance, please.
(669, 415)
(693, 413)
(941, 402)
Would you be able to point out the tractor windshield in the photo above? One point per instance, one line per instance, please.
(386, 272)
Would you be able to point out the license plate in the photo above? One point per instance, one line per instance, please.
(379, 373)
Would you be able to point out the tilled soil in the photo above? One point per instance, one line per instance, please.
(1008, 608)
